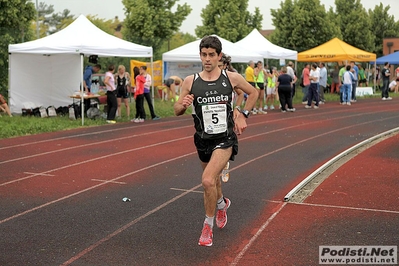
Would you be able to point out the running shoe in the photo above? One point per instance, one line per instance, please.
(308, 106)
(272, 107)
(315, 107)
(206, 236)
(221, 215)
(111, 121)
(225, 173)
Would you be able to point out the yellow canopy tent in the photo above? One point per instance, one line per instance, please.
(336, 50)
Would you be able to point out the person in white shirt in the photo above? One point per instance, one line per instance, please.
(347, 86)
(394, 85)
(323, 81)
(313, 92)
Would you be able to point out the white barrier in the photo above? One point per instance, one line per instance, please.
(361, 91)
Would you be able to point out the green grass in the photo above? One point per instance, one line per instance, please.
(24, 125)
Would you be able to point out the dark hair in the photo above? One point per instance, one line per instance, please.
(136, 71)
(314, 65)
(144, 68)
(225, 59)
(348, 67)
(211, 42)
(97, 66)
(111, 67)
(386, 64)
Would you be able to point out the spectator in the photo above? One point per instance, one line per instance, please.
(122, 79)
(386, 74)
(355, 71)
(322, 81)
(284, 89)
(260, 74)
(313, 93)
(112, 103)
(172, 83)
(393, 86)
(271, 88)
(4, 106)
(336, 83)
(87, 76)
(347, 86)
(291, 71)
(306, 83)
(362, 77)
(147, 95)
(139, 96)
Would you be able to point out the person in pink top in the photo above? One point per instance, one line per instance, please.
(139, 96)
(306, 83)
(112, 103)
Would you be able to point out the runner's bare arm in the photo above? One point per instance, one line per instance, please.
(185, 99)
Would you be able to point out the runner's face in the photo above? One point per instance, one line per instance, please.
(209, 58)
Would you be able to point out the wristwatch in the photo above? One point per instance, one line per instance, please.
(245, 113)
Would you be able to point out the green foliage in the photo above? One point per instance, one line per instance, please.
(302, 24)
(355, 24)
(382, 26)
(177, 40)
(151, 22)
(228, 19)
(15, 21)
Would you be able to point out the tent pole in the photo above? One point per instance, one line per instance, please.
(152, 85)
(9, 80)
(82, 105)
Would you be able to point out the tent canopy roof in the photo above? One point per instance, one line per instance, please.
(263, 46)
(82, 37)
(393, 59)
(336, 50)
(190, 53)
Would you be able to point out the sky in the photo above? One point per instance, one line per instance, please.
(108, 9)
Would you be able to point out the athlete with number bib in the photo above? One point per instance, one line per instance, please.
(210, 93)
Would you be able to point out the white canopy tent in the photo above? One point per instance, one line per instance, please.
(190, 53)
(184, 59)
(46, 71)
(259, 44)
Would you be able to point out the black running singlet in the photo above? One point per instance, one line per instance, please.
(212, 107)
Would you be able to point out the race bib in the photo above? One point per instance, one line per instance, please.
(215, 118)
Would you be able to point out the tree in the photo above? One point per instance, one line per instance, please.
(355, 24)
(151, 22)
(302, 24)
(382, 26)
(15, 20)
(228, 19)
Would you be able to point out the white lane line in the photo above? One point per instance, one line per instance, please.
(180, 189)
(344, 207)
(258, 233)
(126, 226)
(90, 144)
(97, 158)
(37, 174)
(173, 159)
(90, 133)
(92, 187)
(134, 136)
(109, 181)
